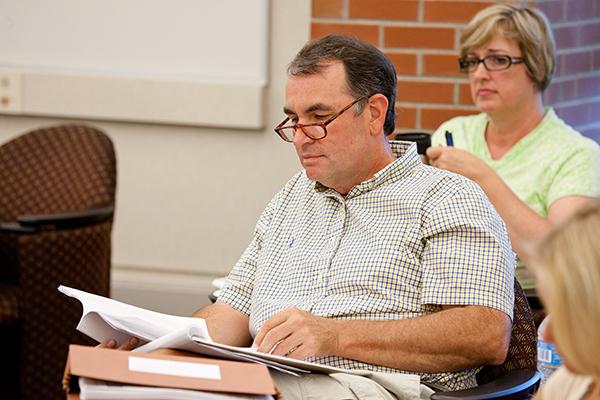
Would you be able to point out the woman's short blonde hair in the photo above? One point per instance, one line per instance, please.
(567, 267)
(528, 27)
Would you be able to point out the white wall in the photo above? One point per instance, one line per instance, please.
(188, 197)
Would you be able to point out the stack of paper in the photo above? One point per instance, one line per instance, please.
(93, 389)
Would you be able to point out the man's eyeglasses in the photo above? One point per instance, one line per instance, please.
(315, 131)
(493, 62)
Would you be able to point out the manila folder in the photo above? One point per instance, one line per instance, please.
(168, 369)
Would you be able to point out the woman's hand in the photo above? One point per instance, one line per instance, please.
(460, 162)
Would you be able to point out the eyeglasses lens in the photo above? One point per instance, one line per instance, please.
(314, 132)
(491, 63)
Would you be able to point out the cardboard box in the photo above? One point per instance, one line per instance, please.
(165, 368)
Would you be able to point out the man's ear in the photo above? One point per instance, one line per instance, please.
(377, 106)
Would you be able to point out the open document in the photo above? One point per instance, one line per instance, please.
(105, 318)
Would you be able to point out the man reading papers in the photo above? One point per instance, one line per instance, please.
(367, 258)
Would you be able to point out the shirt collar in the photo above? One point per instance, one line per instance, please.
(407, 159)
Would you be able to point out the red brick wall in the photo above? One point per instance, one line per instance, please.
(575, 90)
(421, 38)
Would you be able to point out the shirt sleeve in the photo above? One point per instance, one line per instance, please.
(467, 258)
(578, 175)
(237, 291)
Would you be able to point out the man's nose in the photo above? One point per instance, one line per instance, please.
(300, 137)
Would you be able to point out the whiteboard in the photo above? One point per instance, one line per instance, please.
(162, 61)
(190, 39)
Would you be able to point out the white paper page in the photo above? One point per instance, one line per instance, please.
(92, 389)
(180, 339)
(104, 318)
(251, 353)
(230, 355)
(98, 329)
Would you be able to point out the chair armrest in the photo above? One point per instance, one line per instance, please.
(70, 220)
(509, 386)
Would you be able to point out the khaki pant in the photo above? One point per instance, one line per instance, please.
(350, 387)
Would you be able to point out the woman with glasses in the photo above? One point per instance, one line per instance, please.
(535, 169)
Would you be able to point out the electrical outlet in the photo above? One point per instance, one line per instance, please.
(11, 91)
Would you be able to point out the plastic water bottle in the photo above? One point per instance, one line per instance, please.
(548, 359)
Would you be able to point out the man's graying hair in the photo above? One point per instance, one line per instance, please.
(368, 70)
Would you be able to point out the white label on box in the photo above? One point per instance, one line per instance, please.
(176, 368)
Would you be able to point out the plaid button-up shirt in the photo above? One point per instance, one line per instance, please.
(399, 245)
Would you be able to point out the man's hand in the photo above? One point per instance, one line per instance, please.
(297, 334)
(458, 161)
(131, 344)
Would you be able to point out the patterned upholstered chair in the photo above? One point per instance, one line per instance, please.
(57, 193)
(517, 377)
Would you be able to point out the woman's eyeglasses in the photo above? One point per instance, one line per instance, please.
(493, 62)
